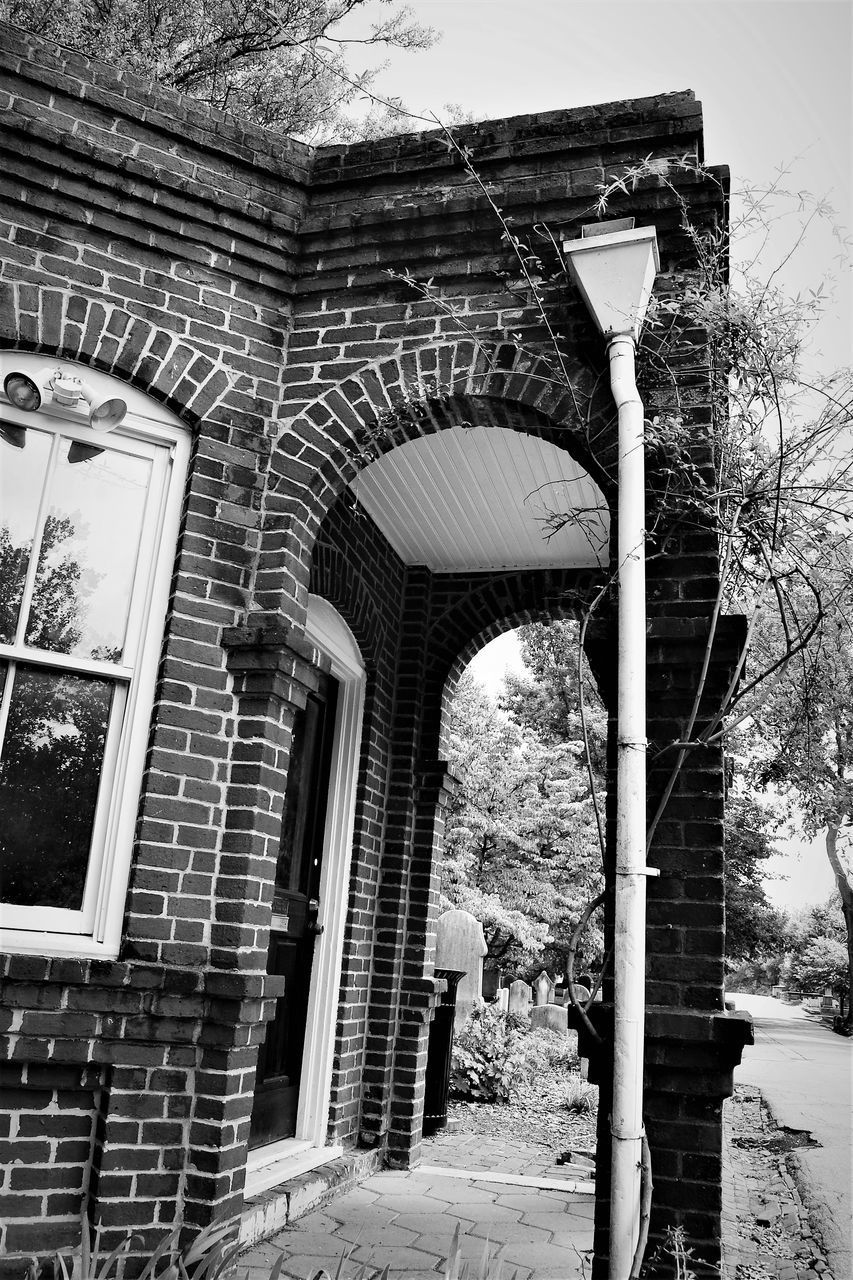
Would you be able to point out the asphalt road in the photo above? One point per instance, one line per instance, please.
(805, 1073)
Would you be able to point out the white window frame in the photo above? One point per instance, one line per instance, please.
(270, 1165)
(148, 431)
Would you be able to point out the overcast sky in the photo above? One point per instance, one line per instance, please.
(774, 78)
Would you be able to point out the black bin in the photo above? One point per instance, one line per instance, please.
(438, 1054)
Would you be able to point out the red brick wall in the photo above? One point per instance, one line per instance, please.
(243, 282)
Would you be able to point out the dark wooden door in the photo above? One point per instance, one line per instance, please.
(296, 903)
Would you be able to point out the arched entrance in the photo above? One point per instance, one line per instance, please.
(309, 907)
(435, 546)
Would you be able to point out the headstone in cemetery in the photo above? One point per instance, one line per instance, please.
(543, 989)
(503, 999)
(459, 944)
(581, 993)
(519, 998)
(491, 983)
(549, 1017)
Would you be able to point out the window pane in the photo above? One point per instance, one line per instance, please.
(88, 553)
(22, 470)
(50, 770)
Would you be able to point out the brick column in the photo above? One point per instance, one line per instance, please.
(434, 788)
(386, 990)
(691, 1044)
(273, 672)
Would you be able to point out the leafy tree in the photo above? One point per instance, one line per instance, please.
(281, 63)
(753, 926)
(805, 742)
(823, 963)
(547, 698)
(520, 847)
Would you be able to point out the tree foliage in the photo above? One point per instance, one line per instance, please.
(521, 851)
(283, 64)
(753, 925)
(55, 733)
(804, 743)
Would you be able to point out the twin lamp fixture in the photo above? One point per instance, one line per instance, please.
(66, 391)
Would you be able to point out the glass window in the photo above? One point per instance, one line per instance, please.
(87, 536)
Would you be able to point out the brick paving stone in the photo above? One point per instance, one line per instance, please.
(511, 1232)
(424, 1223)
(469, 1193)
(557, 1202)
(766, 1226)
(398, 1257)
(407, 1221)
(494, 1213)
(359, 1233)
(555, 1222)
(369, 1214)
(543, 1255)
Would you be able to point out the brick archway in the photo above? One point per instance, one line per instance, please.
(395, 401)
(107, 337)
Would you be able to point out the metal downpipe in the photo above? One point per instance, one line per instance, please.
(626, 1125)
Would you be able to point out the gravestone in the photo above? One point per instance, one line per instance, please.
(543, 989)
(503, 999)
(459, 944)
(491, 983)
(550, 1017)
(519, 998)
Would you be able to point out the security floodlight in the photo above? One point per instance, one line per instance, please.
(14, 436)
(103, 414)
(79, 452)
(66, 389)
(23, 391)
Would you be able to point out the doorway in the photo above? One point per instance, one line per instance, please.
(290, 1112)
(295, 915)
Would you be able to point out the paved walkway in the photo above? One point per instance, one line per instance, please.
(767, 1232)
(498, 1195)
(805, 1074)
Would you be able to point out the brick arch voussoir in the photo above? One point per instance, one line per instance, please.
(398, 399)
(489, 610)
(106, 337)
(333, 578)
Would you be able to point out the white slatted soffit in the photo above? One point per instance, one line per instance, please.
(482, 498)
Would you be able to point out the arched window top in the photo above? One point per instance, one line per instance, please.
(325, 628)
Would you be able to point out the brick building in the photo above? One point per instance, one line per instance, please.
(231, 622)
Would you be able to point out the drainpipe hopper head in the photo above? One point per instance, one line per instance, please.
(615, 271)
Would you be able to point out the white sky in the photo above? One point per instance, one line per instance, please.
(774, 78)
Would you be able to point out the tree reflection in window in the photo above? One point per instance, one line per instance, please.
(49, 777)
(54, 612)
(56, 725)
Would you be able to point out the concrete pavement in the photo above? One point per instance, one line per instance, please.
(805, 1073)
(499, 1193)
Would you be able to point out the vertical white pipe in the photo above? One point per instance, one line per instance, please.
(630, 897)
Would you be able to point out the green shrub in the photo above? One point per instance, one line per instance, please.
(490, 1060)
(551, 1051)
(580, 1097)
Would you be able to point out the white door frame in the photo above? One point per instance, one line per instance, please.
(267, 1166)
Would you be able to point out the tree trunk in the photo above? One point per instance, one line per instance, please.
(845, 889)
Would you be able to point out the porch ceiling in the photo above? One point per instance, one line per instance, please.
(469, 499)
